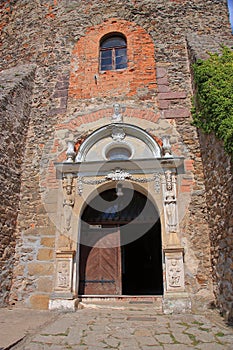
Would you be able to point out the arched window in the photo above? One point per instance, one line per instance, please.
(113, 52)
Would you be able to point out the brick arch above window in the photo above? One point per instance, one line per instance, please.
(138, 78)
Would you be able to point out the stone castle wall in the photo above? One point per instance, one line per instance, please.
(217, 166)
(16, 87)
(49, 34)
(219, 191)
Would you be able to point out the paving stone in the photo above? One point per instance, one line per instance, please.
(181, 337)
(156, 347)
(213, 346)
(164, 338)
(178, 347)
(97, 332)
(75, 335)
(142, 341)
(142, 332)
(201, 335)
(59, 328)
(48, 339)
(34, 346)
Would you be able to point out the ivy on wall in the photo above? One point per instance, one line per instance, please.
(213, 111)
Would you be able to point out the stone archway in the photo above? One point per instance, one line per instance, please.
(119, 154)
(120, 245)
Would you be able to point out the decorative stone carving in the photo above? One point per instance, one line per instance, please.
(170, 213)
(79, 186)
(68, 201)
(157, 180)
(174, 270)
(169, 201)
(118, 134)
(63, 275)
(70, 152)
(174, 273)
(64, 271)
(166, 146)
(117, 116)
(118, 175)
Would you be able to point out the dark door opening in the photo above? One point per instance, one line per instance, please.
(120, 246)
(142, 263)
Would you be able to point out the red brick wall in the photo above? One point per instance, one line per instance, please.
(138, 78)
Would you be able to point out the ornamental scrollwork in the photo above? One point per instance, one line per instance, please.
(118, 175)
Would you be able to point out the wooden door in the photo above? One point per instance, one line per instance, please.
(100, 262)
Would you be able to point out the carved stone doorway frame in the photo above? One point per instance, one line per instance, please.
(80, 182)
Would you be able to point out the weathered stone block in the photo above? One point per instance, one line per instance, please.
(44, 284)
(39, 301)
(45, 254)
(41, 269)
(48, 242)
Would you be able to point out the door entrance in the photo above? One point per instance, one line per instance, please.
(142, 263)
(120, 246)
(100, 262)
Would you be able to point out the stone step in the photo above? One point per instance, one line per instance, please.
(153, 304)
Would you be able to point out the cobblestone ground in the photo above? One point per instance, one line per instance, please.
(119, 328)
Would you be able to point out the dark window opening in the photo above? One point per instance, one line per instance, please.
(113, 53)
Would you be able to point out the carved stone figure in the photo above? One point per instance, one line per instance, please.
(68, 207)
(171, 213)
(68, 202)
(117, 117)
(170, 203)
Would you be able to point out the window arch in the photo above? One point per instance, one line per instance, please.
(113, 52)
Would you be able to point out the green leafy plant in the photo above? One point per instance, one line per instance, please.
(213, 101)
